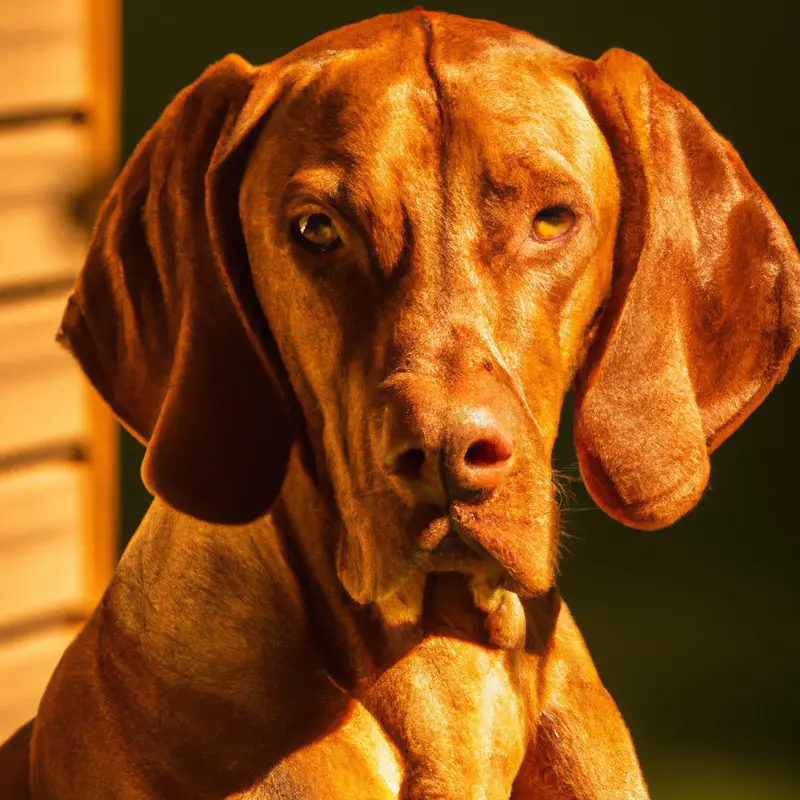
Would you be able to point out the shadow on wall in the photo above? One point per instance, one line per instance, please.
(693, 629)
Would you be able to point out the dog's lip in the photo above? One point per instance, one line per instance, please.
(448, 545)
(440, 531)
(449, 534)
(434, 533)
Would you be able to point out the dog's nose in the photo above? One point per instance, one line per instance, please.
(471, 456)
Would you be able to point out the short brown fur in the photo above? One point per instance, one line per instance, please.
(293, 620)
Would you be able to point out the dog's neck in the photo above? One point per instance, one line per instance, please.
(361, 641)
(358, 642)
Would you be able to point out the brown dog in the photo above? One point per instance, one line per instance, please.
(341, 297)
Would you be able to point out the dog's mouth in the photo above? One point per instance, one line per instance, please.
(447, 545)
(471, 540)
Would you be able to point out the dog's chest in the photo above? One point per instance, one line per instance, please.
(443, 722)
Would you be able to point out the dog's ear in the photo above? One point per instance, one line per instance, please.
(164, 318)
(704, 312)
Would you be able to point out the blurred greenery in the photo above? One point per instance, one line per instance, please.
(694, 629)
(709, 775)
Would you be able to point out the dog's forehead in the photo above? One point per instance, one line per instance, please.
(366, 106)
(376, 129)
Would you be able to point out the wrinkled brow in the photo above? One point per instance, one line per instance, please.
(534, 174)
(326, 185)
(535, 171)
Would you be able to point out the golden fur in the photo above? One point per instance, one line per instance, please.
(296, 618)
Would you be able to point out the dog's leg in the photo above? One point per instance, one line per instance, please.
(582, 749)
(453, 713)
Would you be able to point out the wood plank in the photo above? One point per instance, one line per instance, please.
(26, 665)
(43, 161)
(42, 407)
(24, 16)
(101, 500)
(43, 397)
(41, 558)
(38, 242)
(48, 70)
(104, 22)
(41, 575)
(28, 333)
(40, 499)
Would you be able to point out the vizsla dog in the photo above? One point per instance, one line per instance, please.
(341, 297)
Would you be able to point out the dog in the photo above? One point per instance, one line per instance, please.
(341, 298)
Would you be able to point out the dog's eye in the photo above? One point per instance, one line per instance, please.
(317, 230)
(553, 222)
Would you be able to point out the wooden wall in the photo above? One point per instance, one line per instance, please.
(59, 78)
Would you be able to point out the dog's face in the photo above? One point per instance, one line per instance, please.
(430, 254)
(414, 232)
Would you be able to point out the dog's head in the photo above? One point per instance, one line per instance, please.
(404, 241)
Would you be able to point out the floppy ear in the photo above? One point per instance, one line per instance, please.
(164, 319)
(704, 313)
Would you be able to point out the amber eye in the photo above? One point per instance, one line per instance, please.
(553, 222)
(318, 231)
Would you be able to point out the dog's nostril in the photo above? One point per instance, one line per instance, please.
(409, 463)
(487, 453)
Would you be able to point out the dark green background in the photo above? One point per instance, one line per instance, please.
(694, 629)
